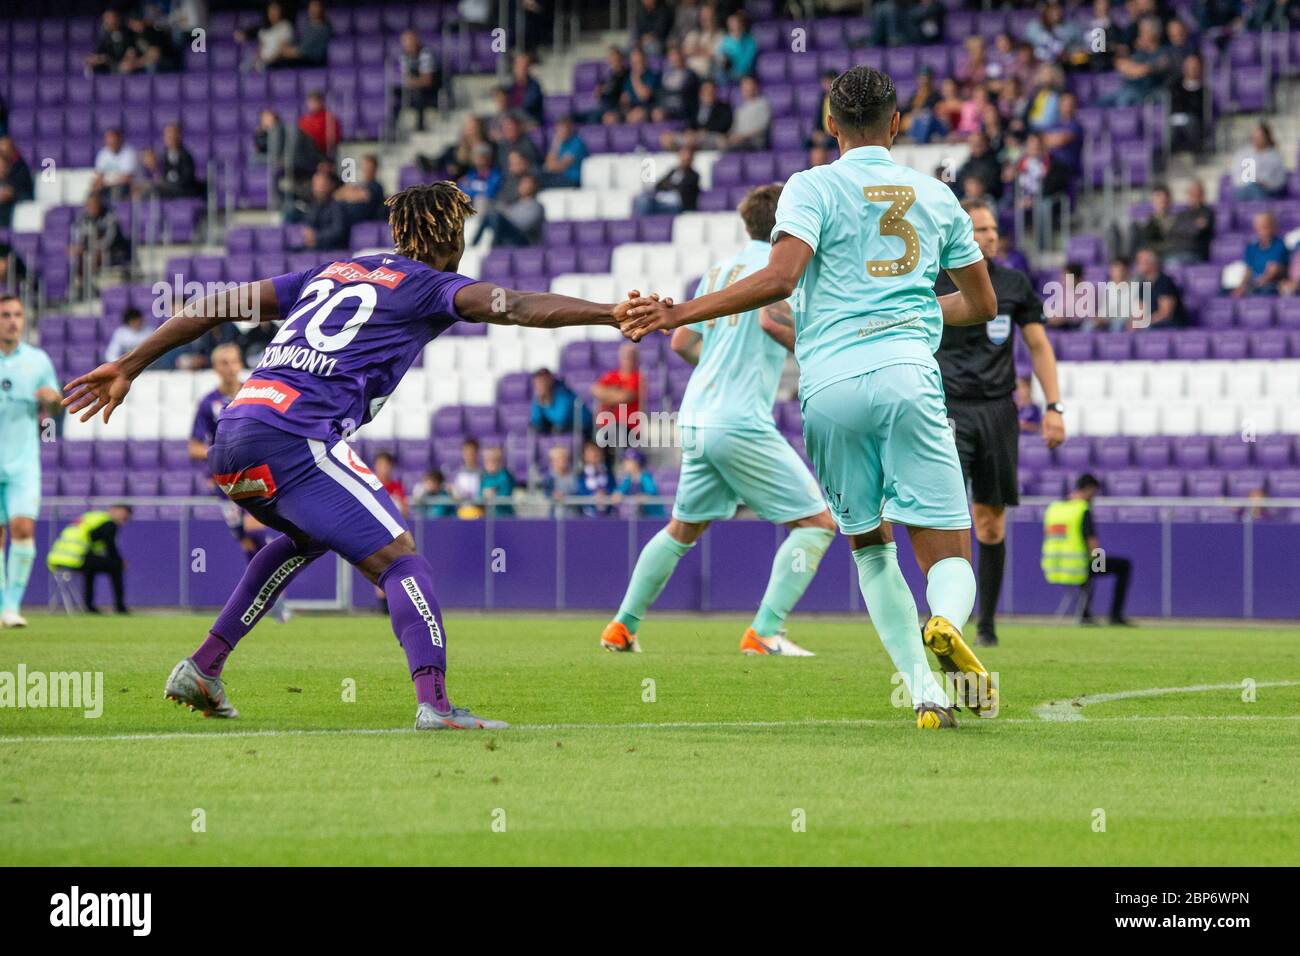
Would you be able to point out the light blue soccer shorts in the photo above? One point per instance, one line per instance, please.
(20, 495)
(722, 467)
(881, 445)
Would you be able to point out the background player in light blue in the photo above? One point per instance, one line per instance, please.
(28, 388)
(858, 244)
(732, 452)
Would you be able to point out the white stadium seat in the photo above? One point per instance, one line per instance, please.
(1165, 384)
(1099, 419)
(1219, 418)
(1139, 418)
(1179, 418)
(1205, 383)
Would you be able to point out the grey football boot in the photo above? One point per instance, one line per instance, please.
(459, 718)
(196, 690)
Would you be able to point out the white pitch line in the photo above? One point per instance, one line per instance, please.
(645, 725)
(1065, 710)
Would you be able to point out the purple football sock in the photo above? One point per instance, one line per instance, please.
(431, 688)
(417, 622)
(265, 579)
(211, 655)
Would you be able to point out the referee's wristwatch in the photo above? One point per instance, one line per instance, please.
(1056, 407)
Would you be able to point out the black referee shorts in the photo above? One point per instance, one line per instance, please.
(988, 444)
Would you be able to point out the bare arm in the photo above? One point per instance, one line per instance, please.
(777, 320)
(486, 302)
(974, 301)
(687, 344)
(1044, 360)
(772, 283)
(197, 449)
(105, 388)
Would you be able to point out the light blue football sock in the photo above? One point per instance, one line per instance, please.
(893, 612)
(22, 555)
(653, 568)
(793, 568)
(950, 590)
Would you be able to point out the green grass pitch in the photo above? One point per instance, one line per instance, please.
(688, 753)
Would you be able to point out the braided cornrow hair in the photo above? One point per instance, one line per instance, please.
(428, 218)
(863, 98)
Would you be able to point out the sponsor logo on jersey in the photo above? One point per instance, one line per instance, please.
(250, 483)
(351, 272)
(260, 391)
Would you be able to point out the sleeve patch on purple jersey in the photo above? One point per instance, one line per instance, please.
(351, 272)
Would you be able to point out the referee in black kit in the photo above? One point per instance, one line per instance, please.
(979, 379)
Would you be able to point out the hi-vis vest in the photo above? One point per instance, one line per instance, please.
(1065, 551)
(73, 543)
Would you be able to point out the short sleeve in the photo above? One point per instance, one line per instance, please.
(287, 288)
(1029, 310)
(441, 297)
(203, 424)
(959, 247)
(46, 376)
(799, 211)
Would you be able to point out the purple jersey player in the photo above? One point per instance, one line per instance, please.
(349, 331)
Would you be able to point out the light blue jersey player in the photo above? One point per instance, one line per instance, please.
(28, 386)
(732, 452)
(857, 244)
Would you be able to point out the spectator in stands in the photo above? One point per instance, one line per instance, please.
(98, 240)
(1067, 308)
(112, 44)
(560, 480)
(516, 169)
(1054, 38)
(430, 498)
(1179, 39)
(652, 25)
(636, 482)
(127, 335)
(1044, 102)
(1153, 232)
(468, 480)
(325, 222)
(1035, 175)
(274, 39)
(907, 22)
(518, 221)
(708, 126)
(1192, 229)
(1008, 255)
(524, 94)
(385, 473)
(170, 175)
(1064, 138)
(457, 159)
(363, 200)
(641, 90)
(609, 91)
(700, 46)
(1189, 99)
(555, 408)
(497, 484)
(679, 89)
(1266, 259)
(686, 17)
(313, 43)
(152, 49)
(483, 181)
(970, 119)
(618, 391)
(818, 155)
(595, 479)
(738, 49)
(949, 106)
(1146, 69)
(513, 139)
(421, 79)
(1029, 415)
(1259, 169)
(268, 139)
(1166, 300)
(15, 182)
(320, 125)
(116, 165)
(562, 166)
(974, 68)
(753, 118)
(678, 190)
(919, 120)
(13, 271)
(1117, 305)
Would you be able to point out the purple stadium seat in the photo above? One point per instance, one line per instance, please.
(1153, 346)
(1192, 451)
(1205, 484)
(1114, 452)
(1075, 347)
(1165, 484)
(1191, 345)
(1218, 313)
(1114, 346)
(1125, 484)
(1242, 483)
(1075, 455)
(449, 421)
(1229, 344)
(1231, 452)
(1274, 451)
(480, 420)
(1281, 484)
(1269, 344)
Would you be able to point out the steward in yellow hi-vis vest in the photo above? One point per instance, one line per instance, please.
(89, 546)
(1065, 548)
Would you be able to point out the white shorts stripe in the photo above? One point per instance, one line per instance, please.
(362, 495)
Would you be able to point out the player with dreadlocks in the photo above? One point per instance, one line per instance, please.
(349, 331)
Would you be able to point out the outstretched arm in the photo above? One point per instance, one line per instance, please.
(772, 283)
(974, 301)
(105, 388)
(486, 302)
